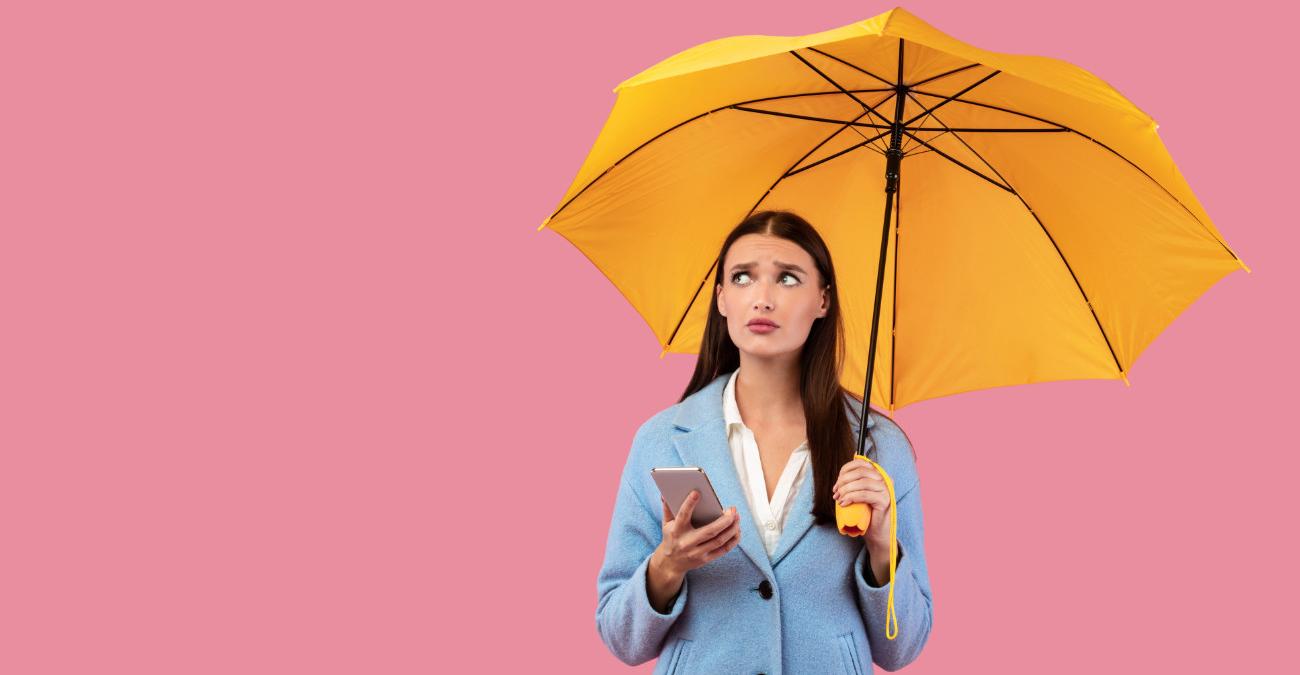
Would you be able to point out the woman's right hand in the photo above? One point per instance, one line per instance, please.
(685, 547)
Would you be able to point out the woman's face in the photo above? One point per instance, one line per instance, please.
(772, 279)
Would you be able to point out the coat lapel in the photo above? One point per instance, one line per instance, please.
(800, 518)
(704, 444)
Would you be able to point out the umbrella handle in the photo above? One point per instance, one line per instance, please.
(852, 521)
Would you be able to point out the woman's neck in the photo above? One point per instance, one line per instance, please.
(768, 389)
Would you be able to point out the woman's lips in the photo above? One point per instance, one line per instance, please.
(761, 328)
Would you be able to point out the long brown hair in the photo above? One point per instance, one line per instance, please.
(830, 434)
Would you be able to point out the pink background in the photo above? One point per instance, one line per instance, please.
(290, 382)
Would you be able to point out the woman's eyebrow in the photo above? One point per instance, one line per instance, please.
(784, 266)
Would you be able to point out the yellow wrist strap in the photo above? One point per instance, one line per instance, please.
(853, 519)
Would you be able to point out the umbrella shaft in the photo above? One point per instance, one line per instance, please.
(893, 167)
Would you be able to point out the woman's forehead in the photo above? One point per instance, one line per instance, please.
(766, 251)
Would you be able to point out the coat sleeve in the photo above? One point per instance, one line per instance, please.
(913, 605)
(629, 625)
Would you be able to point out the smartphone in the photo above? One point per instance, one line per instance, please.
(676, 482)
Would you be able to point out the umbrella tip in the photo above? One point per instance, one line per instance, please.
(544, 222)
(1123, 375)
(665, 351)
(1243, 265)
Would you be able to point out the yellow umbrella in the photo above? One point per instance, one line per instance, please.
(1040, 231)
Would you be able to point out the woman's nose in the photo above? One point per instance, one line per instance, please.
(762, 297)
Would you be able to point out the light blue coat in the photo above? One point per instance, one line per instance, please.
(822, 618)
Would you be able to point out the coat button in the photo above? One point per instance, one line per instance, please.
(765, 590)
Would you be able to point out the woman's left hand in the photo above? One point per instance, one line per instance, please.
(859, 481)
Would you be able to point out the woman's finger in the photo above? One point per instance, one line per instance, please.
(858, 483)
(848, 472)
(668, 515)
(720, 524)
(726, 546)
(867, 489)
(867, 483)
(859, 496)
(721, 539)
(688, 507)
(719, 536)
(875, 499)
(848, 479)
(854, 463)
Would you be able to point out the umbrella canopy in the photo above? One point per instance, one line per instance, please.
(1034, 226)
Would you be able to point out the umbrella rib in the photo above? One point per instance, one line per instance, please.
(996, 131)
(958, 162)
(1109, 149)
(894, 84)
(865, 143)
(813, 118)
(783, 176)
(1050, 238)
(951, 72)
(812, 93)
(860, 69)
(846, 92)
(827, 158)
(928, 79)
(840, 87)
(988, 105)
(706, 113)
(952, 97)
(633, 151)
(1077, 284)
(929, 112)
(948, 129)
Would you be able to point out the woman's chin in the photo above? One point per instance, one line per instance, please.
(762, 349)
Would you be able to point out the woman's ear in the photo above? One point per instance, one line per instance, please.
(719, 295)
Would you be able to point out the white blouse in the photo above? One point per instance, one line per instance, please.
(768, 516)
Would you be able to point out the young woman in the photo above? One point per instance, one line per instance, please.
(771, 586)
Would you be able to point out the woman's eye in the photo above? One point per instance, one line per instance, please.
(737, 275)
